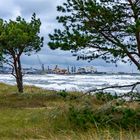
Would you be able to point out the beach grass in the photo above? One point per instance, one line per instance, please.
(51, 115)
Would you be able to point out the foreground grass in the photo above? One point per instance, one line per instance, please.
(51, 115)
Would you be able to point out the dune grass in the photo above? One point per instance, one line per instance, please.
(42, 114)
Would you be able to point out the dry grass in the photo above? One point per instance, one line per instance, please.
(41, 114)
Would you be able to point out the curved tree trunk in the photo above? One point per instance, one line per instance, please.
(18, 74)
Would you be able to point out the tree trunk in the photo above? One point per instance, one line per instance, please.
(18, 74)
(19, 81)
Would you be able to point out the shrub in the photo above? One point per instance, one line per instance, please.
(63, 93)
(85, 117)
(105, 96)
(81, 117)
(130, 119)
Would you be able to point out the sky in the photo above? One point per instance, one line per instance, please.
(46, 11)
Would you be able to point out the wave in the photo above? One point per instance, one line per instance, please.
(75, 82)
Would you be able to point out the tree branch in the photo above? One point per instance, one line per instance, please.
(10, 63)
(136, 17)
(110, 87)
(118, 43)
(13, 72)
(135, 54)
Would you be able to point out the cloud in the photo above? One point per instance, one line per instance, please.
(8, 9)
(46, 11)
(30, 6)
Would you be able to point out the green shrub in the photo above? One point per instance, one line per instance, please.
(82, 118)
(130, 119)
(85, 117)
(119, 117)
(63, 93)
(105, 96)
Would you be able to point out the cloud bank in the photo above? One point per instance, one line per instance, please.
(46, 11)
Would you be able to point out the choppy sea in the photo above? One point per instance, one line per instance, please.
(76, 82)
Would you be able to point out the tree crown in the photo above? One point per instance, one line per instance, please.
(20, 36)
(110, 27)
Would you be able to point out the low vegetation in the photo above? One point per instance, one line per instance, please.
(52, 115)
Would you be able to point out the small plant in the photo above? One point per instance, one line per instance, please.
(81, 118)
(63, 93)
(130, 119)
(106, 96)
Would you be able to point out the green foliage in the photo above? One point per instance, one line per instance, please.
(105, 96)
(43, 114)
(63, 93)
(129, 117)
(101, 25)
(68, 96)
(86, 117)
(20, 36)
(81, 118)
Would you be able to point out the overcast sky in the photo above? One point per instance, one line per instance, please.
(46, 11)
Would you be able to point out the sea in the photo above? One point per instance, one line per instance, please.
(82, 83)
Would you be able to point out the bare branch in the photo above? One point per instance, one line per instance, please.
(110, 87)
(13, 72)
(135, 53)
